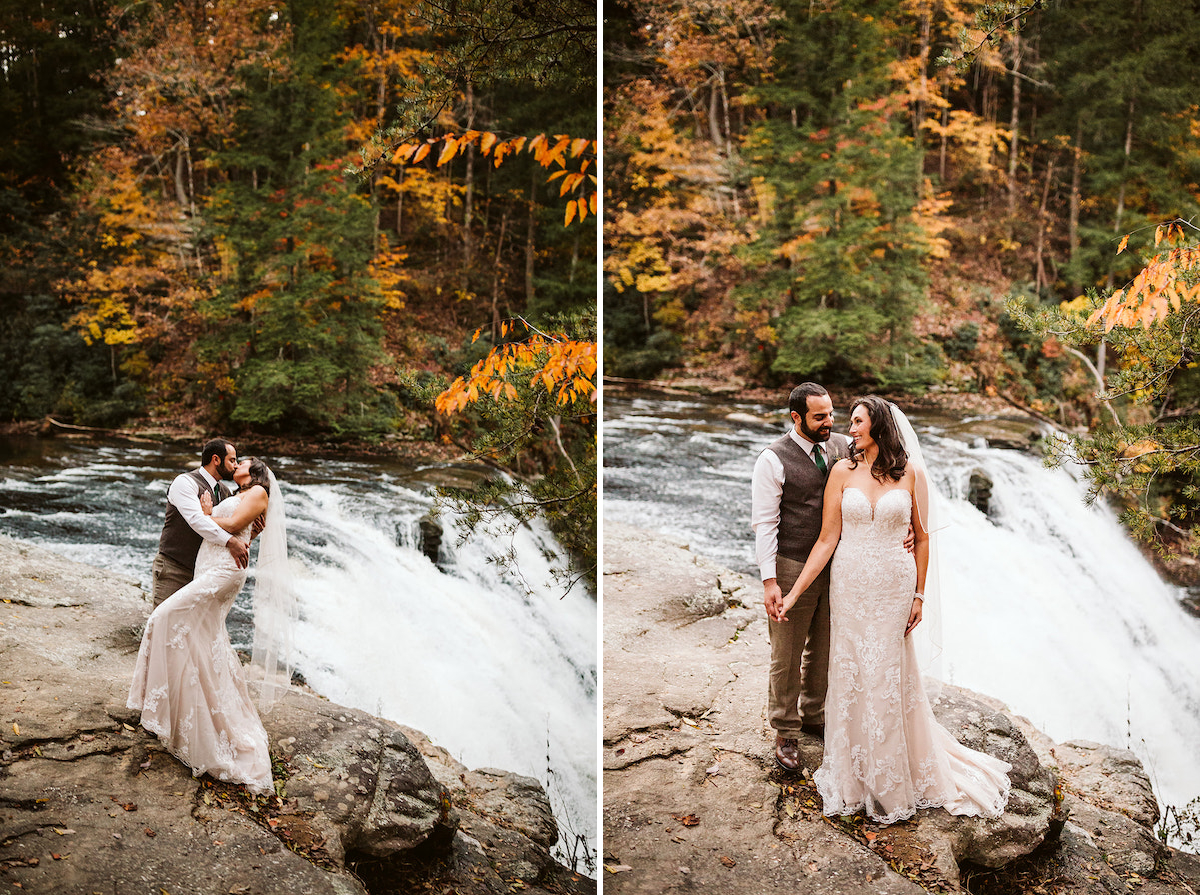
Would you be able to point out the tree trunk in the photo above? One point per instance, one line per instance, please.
(530, 229)
(1014, 127)
(469, 197)
(1073, 220)
(496, 281)
(1040, 278)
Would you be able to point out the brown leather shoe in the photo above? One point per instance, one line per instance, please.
(816, 730)
(787, 753)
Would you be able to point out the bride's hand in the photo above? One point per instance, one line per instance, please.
(206, 503)
(914, 614)
(782, 607)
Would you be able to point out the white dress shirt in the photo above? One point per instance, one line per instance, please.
(766, 490)
(182, 494)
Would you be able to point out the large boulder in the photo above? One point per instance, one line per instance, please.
(91, 802)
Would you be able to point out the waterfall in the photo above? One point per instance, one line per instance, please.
(1047, 605)
(1050, 608)
(493, 665)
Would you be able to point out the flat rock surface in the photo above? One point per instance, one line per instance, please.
(90, 802)
(694, 802)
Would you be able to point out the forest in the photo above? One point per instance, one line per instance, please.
(302, 219)
(919, 197)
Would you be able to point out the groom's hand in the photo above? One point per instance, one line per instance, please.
(772, 597)
(240, 551)
(910, 540)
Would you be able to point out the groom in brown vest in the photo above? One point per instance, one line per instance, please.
(788, 488)
(186, 525)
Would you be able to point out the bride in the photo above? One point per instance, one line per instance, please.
(188, 682)
(884, 751)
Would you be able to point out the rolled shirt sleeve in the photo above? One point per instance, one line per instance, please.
(766, 488)
(182, 494)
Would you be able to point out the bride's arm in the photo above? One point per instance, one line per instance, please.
(831, 532)
(252, 504)
(919, 490)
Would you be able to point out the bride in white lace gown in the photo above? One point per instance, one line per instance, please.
(885, 753)
(188, 683)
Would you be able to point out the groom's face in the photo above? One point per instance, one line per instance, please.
(229, 464)
(817, 423)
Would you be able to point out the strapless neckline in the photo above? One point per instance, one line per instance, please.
(875, 505)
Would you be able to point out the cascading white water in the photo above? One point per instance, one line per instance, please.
(496, 668)
(500, 671)
(1052, 609)
(1047, 604)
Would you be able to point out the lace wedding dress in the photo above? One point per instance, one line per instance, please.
(884, 751)
(188, 682)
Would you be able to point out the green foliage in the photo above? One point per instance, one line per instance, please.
(544, 452)
(1145, 452)
(58, 373)
(843, 189)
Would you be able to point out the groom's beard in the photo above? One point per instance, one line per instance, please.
(821, 433)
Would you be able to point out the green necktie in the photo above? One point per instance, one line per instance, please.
(819, 459)
(216, 494)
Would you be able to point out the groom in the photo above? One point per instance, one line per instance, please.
(788, 488)
(186, 525)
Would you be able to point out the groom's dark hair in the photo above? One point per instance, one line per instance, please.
(217, 447)
(798, 399)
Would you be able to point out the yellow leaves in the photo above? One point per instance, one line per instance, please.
(546, 151)
(1168, 281)
(565, 368)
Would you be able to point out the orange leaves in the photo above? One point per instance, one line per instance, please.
(1169, 280)
(546, 151)
(564, 368)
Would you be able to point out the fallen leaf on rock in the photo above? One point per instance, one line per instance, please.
(62, 832)
(689, 722)
(33, 862)
(617, 868)
(16, 728)
(127, 727)
(728, 862)
(870, 836)
(150, 833)
(620, 752)
(688, 820)
(56, 856)
(145, 764)
(239, 890)
(715, 769)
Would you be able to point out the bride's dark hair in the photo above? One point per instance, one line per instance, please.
(260, 475)
(892, 459)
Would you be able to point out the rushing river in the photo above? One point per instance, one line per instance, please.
(498, 669)
(1046, 604)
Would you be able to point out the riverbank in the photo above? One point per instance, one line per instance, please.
(404, 448)
(90, 802)
(693, 802)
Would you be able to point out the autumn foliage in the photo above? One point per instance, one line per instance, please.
(564, 368)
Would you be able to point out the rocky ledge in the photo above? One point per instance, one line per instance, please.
(693, 800)
(89, 802)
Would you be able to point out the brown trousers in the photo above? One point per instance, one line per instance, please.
(168, 576)
(799, 654)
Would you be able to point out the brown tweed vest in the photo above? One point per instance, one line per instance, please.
(803, 494)
(178, 540)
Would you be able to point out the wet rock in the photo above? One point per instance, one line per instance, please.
(979, 491)
(693, 801)
(91, 802)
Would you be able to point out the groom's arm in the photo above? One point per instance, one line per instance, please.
(766, 491)
(182, 494)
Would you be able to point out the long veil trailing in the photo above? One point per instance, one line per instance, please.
(274, 600)
(931, 516)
